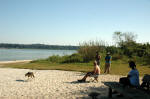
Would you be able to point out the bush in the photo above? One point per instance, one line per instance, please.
(74, 58)
(54, 59)
(145, 60)
(88, 50)
(39, 60)
(117, 57)
(112, 49)
(65, 59)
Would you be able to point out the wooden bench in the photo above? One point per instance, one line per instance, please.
(130, 93)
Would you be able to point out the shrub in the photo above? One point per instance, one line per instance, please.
(72, 58)
(117, 57)
(88, 50)
(112, 49)
(54, 59)
(39, 60)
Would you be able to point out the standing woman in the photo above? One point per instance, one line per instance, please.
(97, 58)
(107, 63)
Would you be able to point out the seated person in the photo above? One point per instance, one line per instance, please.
(96, 71)
(133, 76)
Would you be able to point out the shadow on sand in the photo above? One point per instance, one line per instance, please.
(76, 82)
(94, 93)
(20, 80)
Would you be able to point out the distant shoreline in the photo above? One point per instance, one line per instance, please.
(38, 46)
(37, 49)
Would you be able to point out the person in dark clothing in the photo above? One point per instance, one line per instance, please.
(107, 63)
(97, 58)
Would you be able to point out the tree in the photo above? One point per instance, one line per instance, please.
(129, 37)
(117, 36)
(126, 42)
(124, 38)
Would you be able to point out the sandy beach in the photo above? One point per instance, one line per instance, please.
(16, 61)
(49, 84)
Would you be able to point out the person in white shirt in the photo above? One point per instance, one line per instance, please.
(133, 76)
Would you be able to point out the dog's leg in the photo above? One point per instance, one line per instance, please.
(28, 77)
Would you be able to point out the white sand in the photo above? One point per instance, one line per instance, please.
(16, 61)
(49, 84)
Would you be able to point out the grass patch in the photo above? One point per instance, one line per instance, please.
(52, 66)
(117, 67)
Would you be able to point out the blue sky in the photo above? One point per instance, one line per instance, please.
(70, 22)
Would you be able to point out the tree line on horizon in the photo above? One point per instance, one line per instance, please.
(125, 49)
(38, 46)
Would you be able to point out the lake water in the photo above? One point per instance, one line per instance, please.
(30, 54)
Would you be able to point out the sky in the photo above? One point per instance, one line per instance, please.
(70, 22)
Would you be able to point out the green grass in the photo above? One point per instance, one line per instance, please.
(51, 66)
(117, 67)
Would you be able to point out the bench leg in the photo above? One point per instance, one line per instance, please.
(110, 92)
(96, 78)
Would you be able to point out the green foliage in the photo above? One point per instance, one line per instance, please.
(122, 38)
(54, 59)
(117, 57)
(128, 46)
(112, 49)
(74, 58)
(126, 50)
(39, 61)
(88, 50)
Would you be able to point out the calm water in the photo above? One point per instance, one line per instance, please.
(30, 54)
